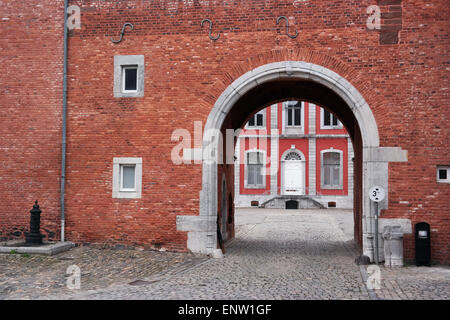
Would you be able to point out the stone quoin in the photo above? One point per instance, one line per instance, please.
(387, 84)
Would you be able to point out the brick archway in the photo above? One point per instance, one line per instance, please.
(275, 82)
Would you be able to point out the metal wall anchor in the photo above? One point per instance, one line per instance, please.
(210, 29)
(122, 32)
(287, 27)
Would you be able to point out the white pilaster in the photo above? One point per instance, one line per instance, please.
(312, 118)
(312, 150)
(237, 170)
(351, 155)
(274, 149)
(312, 166)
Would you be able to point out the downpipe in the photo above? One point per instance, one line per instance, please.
(64, 125)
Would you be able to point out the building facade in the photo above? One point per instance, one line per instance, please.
(294, 154)
(144, 108)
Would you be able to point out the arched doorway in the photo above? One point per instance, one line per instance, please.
(282, 81)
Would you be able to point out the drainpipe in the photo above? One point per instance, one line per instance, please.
(64, 119)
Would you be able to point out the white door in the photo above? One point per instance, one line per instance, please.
(294, 177)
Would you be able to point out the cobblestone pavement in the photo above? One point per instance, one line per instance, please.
(277, 254)
(25, 276)
(415, 283)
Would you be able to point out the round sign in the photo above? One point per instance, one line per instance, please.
(376, 193)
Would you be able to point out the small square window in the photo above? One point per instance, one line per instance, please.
(127, 178)
(129, 76)
(130, 80)
(443, 174)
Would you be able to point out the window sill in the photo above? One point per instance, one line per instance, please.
(128, 94)
(331, 128)
(255, 187)
(126, 195)
(331, 188)
(256, 128)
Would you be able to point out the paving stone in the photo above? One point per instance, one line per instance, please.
(300, 254)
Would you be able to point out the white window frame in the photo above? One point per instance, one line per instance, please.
(263, 173)
(117, 190)
(448, 174)
(293, 129)
(122, 188)
(322, 122)
(132, 61)
(341, 170)
(287, 108)
(124, 68)
(264, 114)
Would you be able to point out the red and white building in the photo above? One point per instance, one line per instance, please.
(294, 154)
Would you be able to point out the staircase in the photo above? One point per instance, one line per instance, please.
(304, 202)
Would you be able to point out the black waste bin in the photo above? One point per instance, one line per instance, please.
(423, 244)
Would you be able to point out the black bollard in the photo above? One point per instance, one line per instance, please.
(34, 236)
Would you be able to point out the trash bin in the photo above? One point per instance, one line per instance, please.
(423, 244)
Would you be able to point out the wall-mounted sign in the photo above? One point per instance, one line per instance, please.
(376, 193)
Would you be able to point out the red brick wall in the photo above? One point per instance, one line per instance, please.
(186, 72)
(30, 114)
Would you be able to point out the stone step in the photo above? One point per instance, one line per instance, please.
(281, 202)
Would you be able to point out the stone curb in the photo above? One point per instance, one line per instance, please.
(51, 249)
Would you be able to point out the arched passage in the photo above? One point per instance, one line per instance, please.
(277, 82)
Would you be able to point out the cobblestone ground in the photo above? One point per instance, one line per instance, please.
(25, 276)
(415, 283)
(277, 254)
